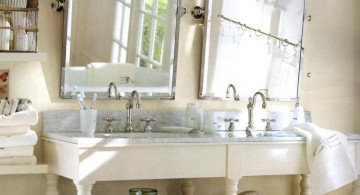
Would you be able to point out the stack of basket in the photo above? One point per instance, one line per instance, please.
(17, 141)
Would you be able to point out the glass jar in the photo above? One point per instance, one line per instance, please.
(143, 191)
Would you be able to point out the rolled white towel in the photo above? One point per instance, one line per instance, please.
(19, 160)
(14, 130)
(17, 151)
(28, 139)
(26, 117)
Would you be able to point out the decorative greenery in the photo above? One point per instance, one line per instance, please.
(159, 31)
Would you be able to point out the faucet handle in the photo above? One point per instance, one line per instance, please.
(147, 120)
(109, 128)
(232, 121)
(268, 123)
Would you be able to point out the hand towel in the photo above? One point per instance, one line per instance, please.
(2, 106)
(28, 139)
(14, 105)
(26, 117)
(19, 160)
(7, 108)
(14, 130)
(328, 158)
(17, 151)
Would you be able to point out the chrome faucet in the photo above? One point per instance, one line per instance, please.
(112, 85)
(129, 107)
(252, 101)
(235, 95)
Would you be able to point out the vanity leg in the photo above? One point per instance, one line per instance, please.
(188, 188)
(52, 182)
(83, 189)
(232, 186)
(356, 186)
(305, 185)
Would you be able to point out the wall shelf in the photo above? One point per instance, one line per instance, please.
(23, 169)
(23, 57)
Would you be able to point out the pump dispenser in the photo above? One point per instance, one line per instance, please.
(194, 117)
(298, 114)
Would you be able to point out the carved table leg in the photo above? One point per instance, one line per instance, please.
(356, 187)
(83, 189)
(188, 188)
(52, 181)
(305, 185)
(232, 186)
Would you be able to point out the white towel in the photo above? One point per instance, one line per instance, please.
(26, 117)
(17, 151)
(19, 160)
(28, 139)
(328, 158)
(14, 130)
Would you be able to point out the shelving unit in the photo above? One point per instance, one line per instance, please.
(18, 29)
(23, 169)
(22, 57)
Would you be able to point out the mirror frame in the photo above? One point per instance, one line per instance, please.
(205, 53)
(65, 53)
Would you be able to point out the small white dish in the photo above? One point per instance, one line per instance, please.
(174, 129)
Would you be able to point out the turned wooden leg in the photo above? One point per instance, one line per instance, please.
(231, 186)
(188, 188)
(83, 189)
(52, 182)
(356, 187)
(305, 185)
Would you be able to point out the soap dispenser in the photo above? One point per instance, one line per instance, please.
(194, 117)
(298, 114)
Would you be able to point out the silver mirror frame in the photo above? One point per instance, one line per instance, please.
(205, 53)
(103, 96)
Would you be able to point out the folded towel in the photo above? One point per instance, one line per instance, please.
(17, 151)
(328, 158)
(2, 106)
(26, 117)
(19, 160)
(14, 105)
(14, 130)
(28, 139)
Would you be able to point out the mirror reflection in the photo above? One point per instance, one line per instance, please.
(250, 46)
(132, 44)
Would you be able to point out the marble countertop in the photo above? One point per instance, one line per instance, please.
(123, 139)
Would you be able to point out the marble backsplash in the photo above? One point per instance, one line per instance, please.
(69, 120)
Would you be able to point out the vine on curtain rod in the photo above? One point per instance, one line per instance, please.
(258, 32)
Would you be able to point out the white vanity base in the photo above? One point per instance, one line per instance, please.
(86, 164)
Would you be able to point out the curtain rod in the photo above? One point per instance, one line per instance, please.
(284, 42)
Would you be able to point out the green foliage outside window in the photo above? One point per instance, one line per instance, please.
(159, 31)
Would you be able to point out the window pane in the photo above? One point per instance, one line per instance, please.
(159, 41)
(143, 63)
(162, 6)
(146, 33)
(126, 25)
(149, 4)
(123, 53)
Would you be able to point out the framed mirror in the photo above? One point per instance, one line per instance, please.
(132, 44)
(250, 46)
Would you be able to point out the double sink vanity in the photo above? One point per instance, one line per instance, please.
(167, 155)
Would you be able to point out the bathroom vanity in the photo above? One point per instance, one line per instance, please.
(137, 156)
(168, 155)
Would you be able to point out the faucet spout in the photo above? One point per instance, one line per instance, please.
(129, 107)
(252, 101)
(111, 86)
(235, 95)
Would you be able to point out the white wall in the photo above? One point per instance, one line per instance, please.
(332, 93)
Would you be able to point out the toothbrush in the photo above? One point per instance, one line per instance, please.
(93, 101)
(74, 91)
(81, 101)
